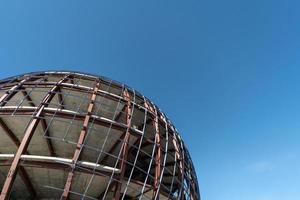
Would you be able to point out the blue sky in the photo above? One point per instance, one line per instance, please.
(226, 73)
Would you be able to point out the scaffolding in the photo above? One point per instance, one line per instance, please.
(69, 135)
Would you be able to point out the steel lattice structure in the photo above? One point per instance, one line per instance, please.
(69, 135)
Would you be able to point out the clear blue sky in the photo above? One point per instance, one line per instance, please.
(226, 73)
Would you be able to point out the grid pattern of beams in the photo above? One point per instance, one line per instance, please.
(96, 121)
(25, 142)
(125, 145)
(43, 123)
(80, 142)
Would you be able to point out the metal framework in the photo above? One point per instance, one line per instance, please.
(69, 135)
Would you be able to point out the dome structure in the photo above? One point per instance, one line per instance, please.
(70, 135)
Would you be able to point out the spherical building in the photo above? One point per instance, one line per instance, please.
(68, 135)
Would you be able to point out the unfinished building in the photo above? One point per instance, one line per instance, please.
(69, 135)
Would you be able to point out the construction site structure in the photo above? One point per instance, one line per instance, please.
(72, 135)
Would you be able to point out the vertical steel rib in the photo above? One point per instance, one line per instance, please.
(80, 141)
(25, 142)
(43, 123)
(23, 174)
(157, 157)
(125, 147)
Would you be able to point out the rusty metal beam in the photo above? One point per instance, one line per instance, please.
(4, 99)
(157, 156)
(179, 158)
(23, 174)
(14, 167)
(80, 141)
(112, 149)
(124, 149)
(25, 142)
(43, 123)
